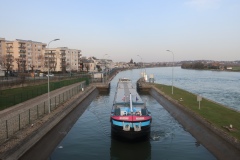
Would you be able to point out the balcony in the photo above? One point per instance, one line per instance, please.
(22, 51)
(22, 55)
(9, 50)
(50, 53)
(22, 47)
(9, 55)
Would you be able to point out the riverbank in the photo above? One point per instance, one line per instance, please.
(218, 70)
(216, 114)
(209, 124)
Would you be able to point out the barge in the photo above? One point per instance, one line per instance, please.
(130, 118)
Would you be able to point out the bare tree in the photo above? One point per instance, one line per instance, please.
(63, 65)
(41, 59)
(32, 67)
(8, 60)
(18, 63)
(87, 65)
(63, 60)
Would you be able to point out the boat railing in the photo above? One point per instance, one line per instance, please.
(130, 101)
(138, 103)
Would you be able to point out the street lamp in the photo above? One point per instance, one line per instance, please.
(109, 66)
(70, 64)
(49, 107)
(172, 68)
(104, 66)
(141, 61)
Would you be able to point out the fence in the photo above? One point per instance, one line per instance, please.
(14, 82)
(18, 95)
(10, 125)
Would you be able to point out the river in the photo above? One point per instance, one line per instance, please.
(219, 86)
(90, 136)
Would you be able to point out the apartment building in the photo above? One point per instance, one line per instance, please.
(22, 55)
(26, 55)
(33, 52)
(2, 51)
(62, 59)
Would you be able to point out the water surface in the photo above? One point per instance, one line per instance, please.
(90, 137)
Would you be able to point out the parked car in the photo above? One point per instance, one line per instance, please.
(50, 75)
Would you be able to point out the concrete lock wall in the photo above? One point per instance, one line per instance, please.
(215, 140)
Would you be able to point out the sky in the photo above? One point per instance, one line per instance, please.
(122, 30)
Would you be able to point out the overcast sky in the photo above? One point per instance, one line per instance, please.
(123, 29)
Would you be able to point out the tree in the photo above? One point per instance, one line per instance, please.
(131, 61)
(40, 59)
(64, 65)
(99, 68)
(32, 67)
(198, 65)
(87, 66)
(7, 60)
(18, 63)
(81, 66)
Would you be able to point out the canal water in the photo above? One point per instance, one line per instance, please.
(219, 86)
(90, 136)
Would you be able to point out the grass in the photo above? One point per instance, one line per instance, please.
(215, 113)
(236, 68)
(10, 97)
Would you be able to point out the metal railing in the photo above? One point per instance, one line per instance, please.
(9, 125)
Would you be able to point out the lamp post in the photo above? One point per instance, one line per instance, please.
(172, 68)
(104, 66)
(70, 64)
(109, 66)
(141, 61)
(49, 107)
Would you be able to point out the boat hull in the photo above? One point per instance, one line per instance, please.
(117, 131)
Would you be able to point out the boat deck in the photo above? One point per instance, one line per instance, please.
(124, 89)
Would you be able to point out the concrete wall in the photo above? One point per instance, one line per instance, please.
(216, 141)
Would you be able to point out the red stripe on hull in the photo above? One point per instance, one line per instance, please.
(132, 118)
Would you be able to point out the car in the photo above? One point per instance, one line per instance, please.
(50, 75)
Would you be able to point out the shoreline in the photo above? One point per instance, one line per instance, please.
(220, 144)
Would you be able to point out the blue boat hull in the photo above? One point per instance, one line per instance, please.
(118, 131)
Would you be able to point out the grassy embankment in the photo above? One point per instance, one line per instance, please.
(216, 114)
(236, 68)
(10, 97)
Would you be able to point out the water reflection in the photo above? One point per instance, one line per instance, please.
(122, 150)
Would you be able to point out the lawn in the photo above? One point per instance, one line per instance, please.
(10, 97)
